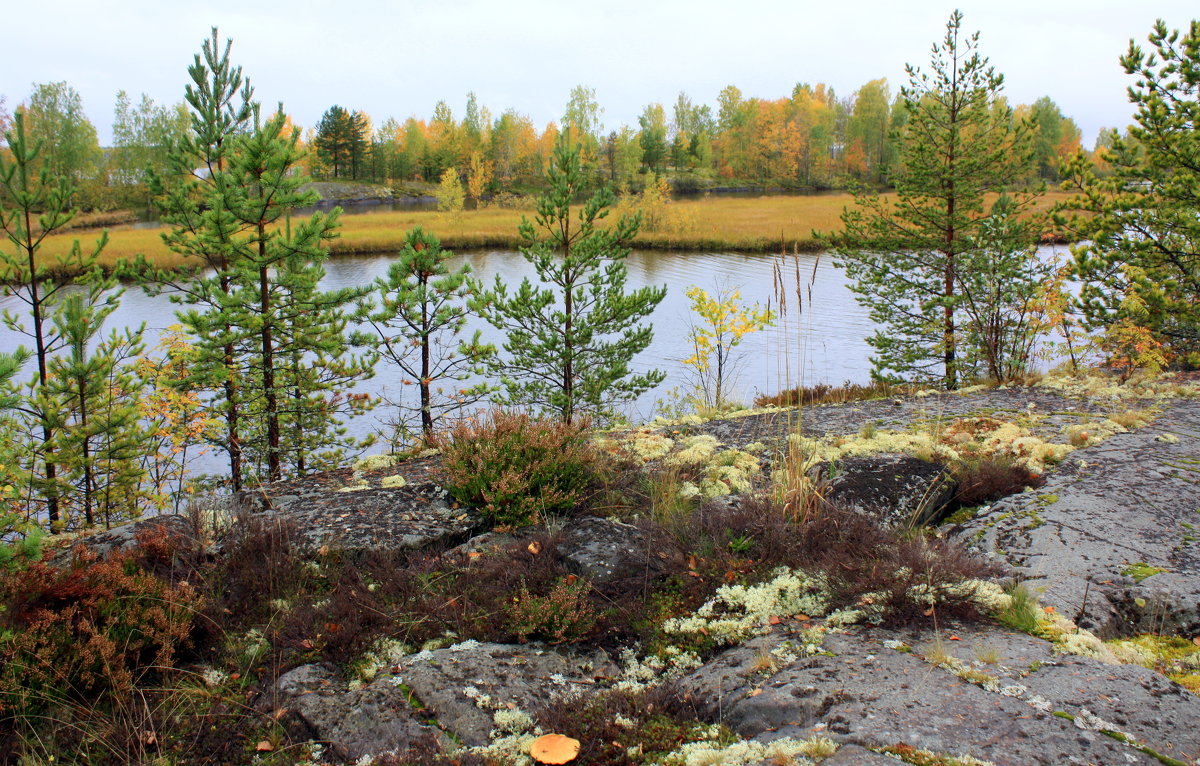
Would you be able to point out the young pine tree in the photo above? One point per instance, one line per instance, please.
(1140, 261)
(94, 386)
(420, 312)
(191, 199)
(268, 340)
(908, 257)
(569, 342)
(32, 207)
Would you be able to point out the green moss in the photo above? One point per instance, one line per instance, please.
(962, 515)
(1141, 570)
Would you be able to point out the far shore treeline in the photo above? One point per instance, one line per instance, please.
(809, 139)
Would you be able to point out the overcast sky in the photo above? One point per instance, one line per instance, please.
(398, 58)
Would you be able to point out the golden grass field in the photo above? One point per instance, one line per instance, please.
(749, 224)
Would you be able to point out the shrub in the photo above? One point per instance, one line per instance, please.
(88, 632)
(984, 480)
(564, 615)
(515, 468)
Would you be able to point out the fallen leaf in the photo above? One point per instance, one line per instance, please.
(1048, 609)
(773, 620)
(264, 746)
(306, 644)
(955, 638)
(1196, 640)
(802, 617)
(534, 547)
(755, 693)
(474, 555)
(234, 676)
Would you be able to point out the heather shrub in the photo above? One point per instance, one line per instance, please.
(562, 616)
(515, 468)
(987, 479)
(88, 632)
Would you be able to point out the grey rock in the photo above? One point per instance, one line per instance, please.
(463, 685)
(105, 542)
(374, 719)
(870, 696)
(853, 755)
(603, 550)
(379, 519)
(1132, 499)
(896, 490)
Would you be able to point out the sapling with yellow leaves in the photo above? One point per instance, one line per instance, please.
(723, 323)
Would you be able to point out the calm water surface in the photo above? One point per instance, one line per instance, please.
(823, 342)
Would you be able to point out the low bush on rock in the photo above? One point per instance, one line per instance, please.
(983, 480)
(515, 468)
(89, 632)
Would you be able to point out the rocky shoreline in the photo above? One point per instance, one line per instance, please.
(1107, 543)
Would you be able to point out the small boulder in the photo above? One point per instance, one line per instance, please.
(604, 550)
(465, 685)
(355, 723)
(896, 490)
(105, 542)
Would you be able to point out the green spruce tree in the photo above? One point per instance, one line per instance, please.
(570, 338)
(908, 257)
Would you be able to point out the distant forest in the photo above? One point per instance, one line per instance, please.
(809, 140)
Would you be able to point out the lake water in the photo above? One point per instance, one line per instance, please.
(822, 342)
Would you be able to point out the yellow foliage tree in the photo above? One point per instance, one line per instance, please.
(176, 419)
(479, 175)
(723, 323)
(450, 194)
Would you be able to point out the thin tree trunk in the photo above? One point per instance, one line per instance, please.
(274, 469)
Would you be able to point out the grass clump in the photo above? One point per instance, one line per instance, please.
(1022, 612)
(516, 468)
(823, 393)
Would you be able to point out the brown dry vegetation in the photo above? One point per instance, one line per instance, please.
(757, 224)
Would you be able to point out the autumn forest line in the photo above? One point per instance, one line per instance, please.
(811, 139)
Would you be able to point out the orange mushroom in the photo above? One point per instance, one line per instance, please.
(554, 748)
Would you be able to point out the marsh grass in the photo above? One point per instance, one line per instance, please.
(759, 224)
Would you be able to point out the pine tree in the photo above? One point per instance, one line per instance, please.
(1140, 261)
(259, 310)
(41, 205)
(420, 312)
(277, 301)
(569, 344)
(95, 390)
(191, 198)
(908, 257)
